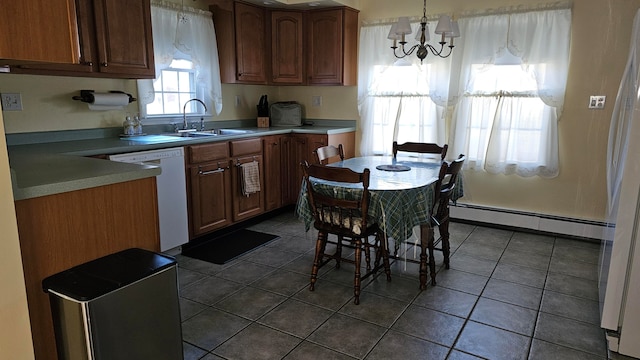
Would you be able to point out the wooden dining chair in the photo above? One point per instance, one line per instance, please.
(346, 218)
(422, 148)
(440, 213)
(326, 153)
(443, 189)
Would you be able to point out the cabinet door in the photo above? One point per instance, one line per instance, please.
(210, 197)
(288, 171)
(124, 40)
(251, 205)
(250, 43)
(124, 44)
(272, 152)
(315, 141)
(302, 147)
(286, 47)
(36, 30)
(332, 47)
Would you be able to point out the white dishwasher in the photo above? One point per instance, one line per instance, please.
(172, 192)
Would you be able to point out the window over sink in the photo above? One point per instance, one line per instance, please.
(186, 62)
(173, 87)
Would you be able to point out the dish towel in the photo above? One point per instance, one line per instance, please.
(250, 178)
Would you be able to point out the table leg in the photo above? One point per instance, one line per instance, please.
(426, 244)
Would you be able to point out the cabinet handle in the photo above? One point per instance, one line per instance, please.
(105, 64)
(218, 170)
(88, 63)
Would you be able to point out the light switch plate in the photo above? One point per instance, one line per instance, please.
(597, 101)
(11, 102)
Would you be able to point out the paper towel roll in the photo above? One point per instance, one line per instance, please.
(110, 101)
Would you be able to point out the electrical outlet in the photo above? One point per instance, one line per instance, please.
(316, 100)
(11, 102)
(597, 101)
(238, 100)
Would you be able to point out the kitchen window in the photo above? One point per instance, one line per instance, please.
(399, 100)
(502, 91)
(509, 91)
(402, 109)
(186, 62)
(174, 86)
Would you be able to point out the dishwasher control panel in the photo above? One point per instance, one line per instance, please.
(143, 156)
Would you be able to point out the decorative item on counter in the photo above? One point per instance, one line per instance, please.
(113, 100)
(128, 127)
(137, 125)
(263, 112)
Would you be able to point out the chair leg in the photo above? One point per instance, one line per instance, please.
(367, 253)
(317, 260)
(338, 255)
(424, 233)
(356, 279)
(444, 235)
(426, 244)
(432, 259)
(384, 249)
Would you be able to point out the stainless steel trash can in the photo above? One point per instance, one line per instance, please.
(121, 306)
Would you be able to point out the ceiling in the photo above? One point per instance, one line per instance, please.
(305, 4)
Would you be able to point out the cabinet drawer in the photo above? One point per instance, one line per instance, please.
(246, 147)
(208, 152)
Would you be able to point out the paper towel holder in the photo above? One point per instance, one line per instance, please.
(87, 95)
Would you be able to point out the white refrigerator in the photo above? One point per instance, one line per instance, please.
(619, 283)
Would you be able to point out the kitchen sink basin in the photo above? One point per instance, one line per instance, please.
(212, 132)
(233, 131)
(154, 139)
(171, 137)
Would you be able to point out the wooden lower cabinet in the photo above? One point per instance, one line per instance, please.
(244, 151)
(302, 148)
(272, 146)
(214, 176)
(60, 231)
(209, 187)
(246, 206)
(210, 198)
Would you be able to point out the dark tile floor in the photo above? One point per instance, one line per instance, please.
(508, 295)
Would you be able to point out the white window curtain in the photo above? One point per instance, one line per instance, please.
(510, 129)
(191, 32)
(398, 100)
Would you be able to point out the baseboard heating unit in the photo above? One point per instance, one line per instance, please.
(529, 221)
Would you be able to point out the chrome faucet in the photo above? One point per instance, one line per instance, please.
(184, 112)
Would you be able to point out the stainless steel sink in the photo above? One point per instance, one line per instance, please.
(212, 132)
(233, 131)
(153, 139)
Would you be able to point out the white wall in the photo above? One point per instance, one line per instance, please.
(15, 330)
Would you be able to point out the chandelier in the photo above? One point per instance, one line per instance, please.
(446, 27)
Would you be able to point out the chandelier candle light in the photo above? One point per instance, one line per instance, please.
(446, 27)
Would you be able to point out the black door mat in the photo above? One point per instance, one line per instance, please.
(225, 248)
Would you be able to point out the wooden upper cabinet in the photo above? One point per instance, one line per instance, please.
(114, 40)
(250, 43)
(36, 30)
(287, 62)
(332, 47)
(124, 42)
(240, 36)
